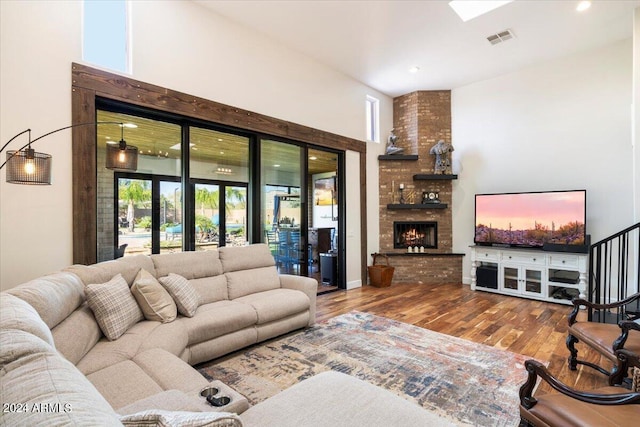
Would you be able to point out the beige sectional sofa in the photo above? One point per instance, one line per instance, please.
(60, 363)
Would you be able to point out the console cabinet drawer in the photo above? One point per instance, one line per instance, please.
(564, 261)
(487, 255)
(535, 259)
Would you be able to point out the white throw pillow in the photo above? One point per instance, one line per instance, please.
(159, 418)
(153, 298)
(183, 293)
(114, 307)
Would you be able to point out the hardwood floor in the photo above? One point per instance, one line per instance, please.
(528, 327)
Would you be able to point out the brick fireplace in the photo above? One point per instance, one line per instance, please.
(420, 120)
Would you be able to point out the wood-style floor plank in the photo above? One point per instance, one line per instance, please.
(533, 328)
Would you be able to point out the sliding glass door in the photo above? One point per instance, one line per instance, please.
(220, 215)
(299, 211)
(282, 205)
(149, 213)
(324, 229)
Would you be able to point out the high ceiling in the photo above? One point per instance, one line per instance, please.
(155, 138)
(377, 42)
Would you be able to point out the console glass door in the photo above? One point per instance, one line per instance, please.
(510, 278)
(533, 281)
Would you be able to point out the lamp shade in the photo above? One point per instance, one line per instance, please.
(28, 167)
(123, 157)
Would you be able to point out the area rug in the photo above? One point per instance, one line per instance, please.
(466, 382)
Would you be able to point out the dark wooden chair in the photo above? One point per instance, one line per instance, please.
(605, 338)
(567, 407)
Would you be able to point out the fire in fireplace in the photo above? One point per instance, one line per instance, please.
(415, 233)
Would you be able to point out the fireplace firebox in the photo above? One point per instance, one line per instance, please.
(415, 233)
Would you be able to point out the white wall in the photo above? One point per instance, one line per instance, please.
(178, 45)
(560, 125)
(636, 111)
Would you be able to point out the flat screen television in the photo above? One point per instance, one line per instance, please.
(531, 220)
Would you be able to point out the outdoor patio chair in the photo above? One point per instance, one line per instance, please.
(119, 252)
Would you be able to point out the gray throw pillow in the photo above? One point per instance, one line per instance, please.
(114, 307)
(183, 293)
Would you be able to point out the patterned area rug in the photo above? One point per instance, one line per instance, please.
(469, 383)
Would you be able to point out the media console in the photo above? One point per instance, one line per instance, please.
(548, 276)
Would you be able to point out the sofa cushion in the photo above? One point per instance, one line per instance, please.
(211, 289)
(245, 282)
(190, 265)
(276, 304)
(171, 337)
(169, 400)
(336, 399)
(16, 313)
(77, 334)
(103, 271)
(56, 394)
(236, 258)
(182, 292)
(161, 418)
(115, 309)
(225, 344)
(15, 344)
(54, 296)
(282, 326)
(148, 373)
(153, 298)
(216, 319)
(169, 371)
(123, 383)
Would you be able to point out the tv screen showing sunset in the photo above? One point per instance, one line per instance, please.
(531, 219)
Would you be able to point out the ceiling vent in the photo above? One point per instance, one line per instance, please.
(500, 37)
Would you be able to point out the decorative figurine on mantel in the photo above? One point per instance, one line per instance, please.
(442, 150)
(392, 148)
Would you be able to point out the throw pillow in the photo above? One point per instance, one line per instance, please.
(160, 418)
(153, 298)
(183, 293)
(114, 307)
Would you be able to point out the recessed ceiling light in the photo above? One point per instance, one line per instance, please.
(130, 125)
(469, 9)
(313, 158)
(583, 5)
(222, 152)
(276, 166)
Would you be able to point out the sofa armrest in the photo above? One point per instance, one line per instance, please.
(305, 284)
